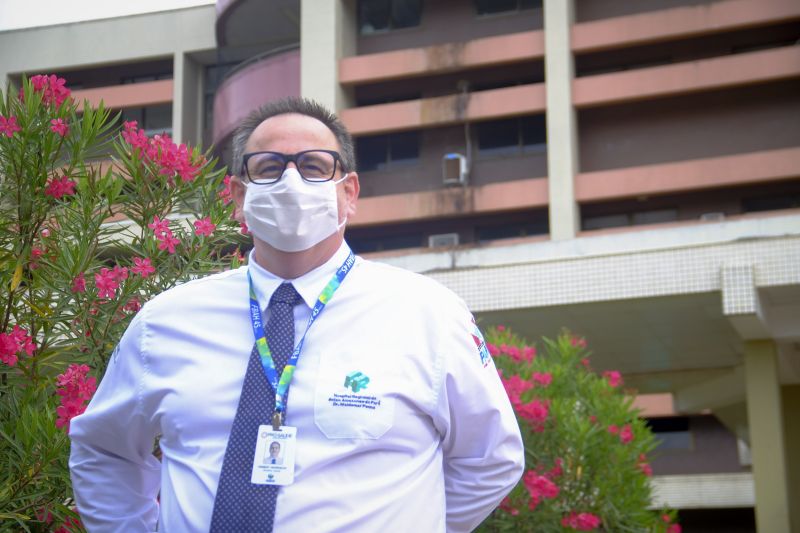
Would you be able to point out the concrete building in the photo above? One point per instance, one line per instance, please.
(629, 170)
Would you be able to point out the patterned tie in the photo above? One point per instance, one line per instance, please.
(241, 506)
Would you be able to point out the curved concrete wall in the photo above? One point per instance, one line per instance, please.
(273, 77)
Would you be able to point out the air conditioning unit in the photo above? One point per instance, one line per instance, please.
(443, 240)
(455, 169)
(712, 217)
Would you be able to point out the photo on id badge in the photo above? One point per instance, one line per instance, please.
(273, 463)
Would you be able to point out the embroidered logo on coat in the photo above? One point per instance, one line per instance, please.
(483, 351)
(356, 381)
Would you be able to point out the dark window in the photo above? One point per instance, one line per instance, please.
(379, 152)
(672, 433)
(487, 7)
(637, 218)
(511, 231)
(390, 242)
(383, 15)
(770, 203)
(510, 136)
(155, 119)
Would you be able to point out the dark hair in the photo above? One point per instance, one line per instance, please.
(301, 106)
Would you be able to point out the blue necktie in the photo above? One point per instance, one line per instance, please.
(241, 506)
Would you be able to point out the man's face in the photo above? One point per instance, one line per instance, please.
(292, 133)
(274, 450)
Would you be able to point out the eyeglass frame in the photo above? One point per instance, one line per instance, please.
(292, 158)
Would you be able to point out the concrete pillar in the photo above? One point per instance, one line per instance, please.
(765, 417)
(562, 137)
(327, 33)
(187, 99)
(791, 435)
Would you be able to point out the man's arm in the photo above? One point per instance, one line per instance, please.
(115, 477)
(483, 452)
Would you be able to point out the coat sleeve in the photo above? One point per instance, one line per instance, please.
(482, 447)
(115, 477)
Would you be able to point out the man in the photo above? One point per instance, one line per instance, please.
(398, 421)
(274, 454)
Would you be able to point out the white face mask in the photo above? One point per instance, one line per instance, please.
(292, 215)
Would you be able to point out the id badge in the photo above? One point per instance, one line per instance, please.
(273, 463)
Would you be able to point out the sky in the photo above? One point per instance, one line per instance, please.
(17, 14)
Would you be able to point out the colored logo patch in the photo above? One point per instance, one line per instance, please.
(483, 351)
(356, 381)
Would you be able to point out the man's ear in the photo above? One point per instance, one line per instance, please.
(351, 190)
(238, 190)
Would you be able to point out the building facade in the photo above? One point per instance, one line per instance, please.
(629, 170)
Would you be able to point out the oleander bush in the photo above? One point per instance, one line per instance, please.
(94, 220)
(586, 448)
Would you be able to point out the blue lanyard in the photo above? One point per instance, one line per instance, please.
(281, 384)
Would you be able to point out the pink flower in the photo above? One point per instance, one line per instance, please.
(528, 353)
(539, 488)
(119, 273)
(12, 344)
(143, 267)
(168, 241)
(59, 126)
(79, 283)
(226, 194)
(626, 434)
(535, 412)
(557, 470)
(515, 386)
(613, 429)
(8, 349)
(59, 187)
(506, 506)
(204, 227)
(578, 342)
(493, 350)
(24, 341)
(244, 230)
(613, 377)
(674, 528)
(171, 159)
(581, 521)
(9, 126)
(106, 283)
(133, 305)
(646, 469)
(542, 378)
(75, 389)
(501, 328)
(515, 353)
(159, 226)
(52, 87)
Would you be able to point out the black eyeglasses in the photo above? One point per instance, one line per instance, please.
(315, 166)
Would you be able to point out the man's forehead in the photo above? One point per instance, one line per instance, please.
(292, 126)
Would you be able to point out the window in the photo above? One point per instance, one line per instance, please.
(770, 203)
(363, 245)
(488, 7)
(637, 218)
(512, 136)
(384, 15)
(155, 119)
(381, 152)
(671, 433)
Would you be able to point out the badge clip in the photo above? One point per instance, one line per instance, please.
(276, 421)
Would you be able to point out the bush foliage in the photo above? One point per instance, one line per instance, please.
(585, 445)
(85, 240)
